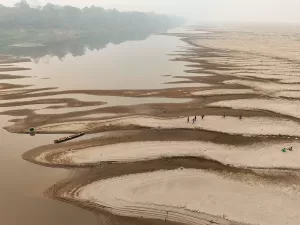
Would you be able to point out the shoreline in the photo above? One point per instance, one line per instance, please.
(228, 84)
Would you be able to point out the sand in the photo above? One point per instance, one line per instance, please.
(289, 94)
(155, 194)
(232, 125)
(254, 69)
(265, 86)
(103, 115)
(223, 92)
(265, 75)
(262, 155)
(284, 107)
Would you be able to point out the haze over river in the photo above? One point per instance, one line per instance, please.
(187, 124)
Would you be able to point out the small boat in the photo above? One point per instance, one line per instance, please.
(64, 139)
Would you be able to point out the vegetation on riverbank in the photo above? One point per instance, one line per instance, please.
(53, 23)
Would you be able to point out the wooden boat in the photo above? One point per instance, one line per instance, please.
(64, 139)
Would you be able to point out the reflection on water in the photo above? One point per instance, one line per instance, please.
(76, 47)
(110, 62)
(130, 65)
(89, 63)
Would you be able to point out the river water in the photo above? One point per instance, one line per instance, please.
(129, 65)
(137, 64)
(23, 185)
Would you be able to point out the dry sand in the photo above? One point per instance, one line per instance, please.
(254, 126)
(223, 92)
(265, 155)
(265, 86)
(284, 107)
(182, 192)
(289, 94)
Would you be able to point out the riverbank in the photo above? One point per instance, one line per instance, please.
(247, 112)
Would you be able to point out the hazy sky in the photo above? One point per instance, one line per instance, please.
(202, 10)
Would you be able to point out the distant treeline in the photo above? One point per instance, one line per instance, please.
(90, 18)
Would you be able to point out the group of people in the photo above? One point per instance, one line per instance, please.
(194, 119)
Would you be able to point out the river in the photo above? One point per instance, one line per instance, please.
(131, 64)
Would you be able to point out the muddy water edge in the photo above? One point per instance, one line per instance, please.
(25, 185)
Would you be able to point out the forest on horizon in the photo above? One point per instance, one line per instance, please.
(53, 23)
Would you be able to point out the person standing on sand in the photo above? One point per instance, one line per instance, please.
(202, 116)
(195, 118)
(188, 119)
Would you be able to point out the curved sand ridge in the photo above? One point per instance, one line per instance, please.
(265, 86)
(262, 155)
(282, 79)
(249, 126)
(180, 192)
(289, 94)
(223, 92)
(284, 107)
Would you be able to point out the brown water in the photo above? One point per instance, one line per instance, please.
(110, 101)
(23, 185)
(134, 64)
(129, 65)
